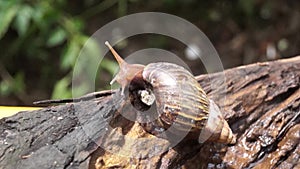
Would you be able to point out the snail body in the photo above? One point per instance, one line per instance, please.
(182, 105)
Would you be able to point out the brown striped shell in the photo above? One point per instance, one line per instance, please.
(179, 98)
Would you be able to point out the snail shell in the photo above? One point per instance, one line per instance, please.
(179, 98)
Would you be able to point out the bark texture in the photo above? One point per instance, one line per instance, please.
(261, 103)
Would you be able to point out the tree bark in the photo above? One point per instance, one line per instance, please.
(259, 101)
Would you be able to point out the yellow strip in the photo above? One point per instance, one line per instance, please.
(6, 111)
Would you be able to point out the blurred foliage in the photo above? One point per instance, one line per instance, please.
(48, 39)
(40, 41)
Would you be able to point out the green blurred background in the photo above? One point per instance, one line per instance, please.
(40, 40)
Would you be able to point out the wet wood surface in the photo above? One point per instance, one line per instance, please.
(260, 102)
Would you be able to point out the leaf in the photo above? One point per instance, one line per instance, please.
(90, 56)
(15, 85)
(23, 17)
(8, 11)
(70, 54)
(86, 66)
(45, 15)
(38, 17)
(18, 83)
(110, 66)
(78, 24)
(5, 88)
(80, 90)
(61, 89)
(57, 37)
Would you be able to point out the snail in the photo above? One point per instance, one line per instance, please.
(180, 101)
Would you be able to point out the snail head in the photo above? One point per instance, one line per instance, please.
(127, 71)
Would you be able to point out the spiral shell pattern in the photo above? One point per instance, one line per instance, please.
(181, 102)
(179, 97)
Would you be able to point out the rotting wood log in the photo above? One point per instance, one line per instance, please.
(260, 102)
